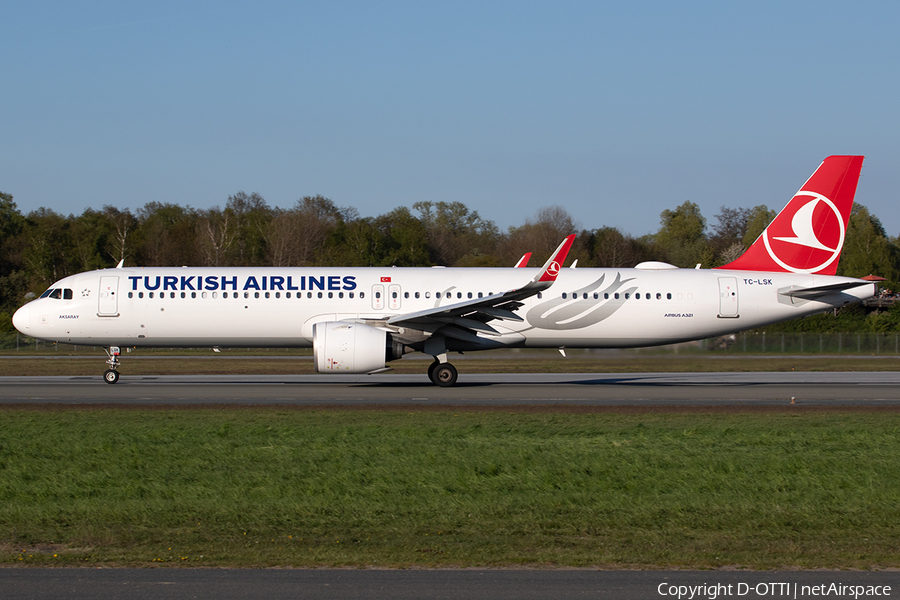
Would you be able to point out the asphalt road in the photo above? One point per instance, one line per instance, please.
(641, 389)
(356, 584)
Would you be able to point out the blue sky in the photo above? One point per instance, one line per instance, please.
(613, 110)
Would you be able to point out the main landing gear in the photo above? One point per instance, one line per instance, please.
(442, 374)
(112, 375)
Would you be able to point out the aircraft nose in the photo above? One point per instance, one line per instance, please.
(22, 319)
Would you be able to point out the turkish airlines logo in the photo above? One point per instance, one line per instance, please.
(810, 239)
(553, 269)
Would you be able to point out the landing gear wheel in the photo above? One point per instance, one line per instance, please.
(431, 369)
(444, 375)
(111, 376)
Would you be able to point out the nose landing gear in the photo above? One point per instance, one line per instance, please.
(112, 375)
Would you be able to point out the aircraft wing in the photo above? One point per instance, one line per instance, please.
(464, 320)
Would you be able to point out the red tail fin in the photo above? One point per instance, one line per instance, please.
(808, 233)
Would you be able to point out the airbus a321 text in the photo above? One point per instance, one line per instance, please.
(359, 319)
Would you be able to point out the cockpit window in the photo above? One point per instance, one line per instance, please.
(58, 294)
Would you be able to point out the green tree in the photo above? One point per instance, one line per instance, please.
(300, 236)
(47, 248)
(681, 238)
(542, 235)
(612, 248)
(455, 233)
(252, 218)
(91, 234)
(759, 218)
(167, 235)
(867, 249)
(12, 224)
(405, 239)
(13, 278)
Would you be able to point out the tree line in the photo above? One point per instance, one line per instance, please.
(43, 246)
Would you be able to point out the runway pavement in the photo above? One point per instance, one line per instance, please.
(415, 584)
(639, 389)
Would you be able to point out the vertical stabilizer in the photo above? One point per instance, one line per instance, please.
(808, 233)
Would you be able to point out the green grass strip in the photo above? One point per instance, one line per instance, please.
(368, 488)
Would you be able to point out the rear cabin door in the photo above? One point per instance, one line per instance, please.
(108, 298)
(728, 298)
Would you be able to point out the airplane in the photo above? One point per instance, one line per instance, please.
(357, 320)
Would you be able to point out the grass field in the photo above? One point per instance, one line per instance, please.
(271, 487)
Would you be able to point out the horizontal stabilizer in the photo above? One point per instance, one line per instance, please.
(811, 293)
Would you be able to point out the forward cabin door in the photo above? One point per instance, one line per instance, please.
(728, 298)
(108, 297)
(394, 297)
(378, 296)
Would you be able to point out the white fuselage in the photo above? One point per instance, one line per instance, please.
(277, 307)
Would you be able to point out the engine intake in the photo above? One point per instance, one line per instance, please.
(340, 347)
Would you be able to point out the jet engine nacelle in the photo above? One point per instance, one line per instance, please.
(340, 347)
